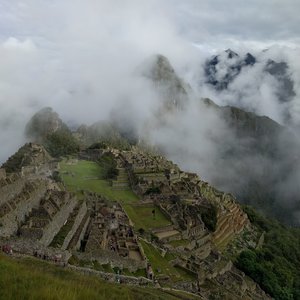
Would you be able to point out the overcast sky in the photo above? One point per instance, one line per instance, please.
(77, 56)
(214, 23)
(217, 22)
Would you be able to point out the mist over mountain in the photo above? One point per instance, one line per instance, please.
(152, 143)
(224, 70)
(251, 156)
(90, 72)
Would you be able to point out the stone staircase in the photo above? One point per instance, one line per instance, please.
(231, 220)
(122, 181)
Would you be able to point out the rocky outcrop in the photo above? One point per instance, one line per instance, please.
(46, 128)
(221, 70)
(2, 174)
(174, 90)
(30, 155)
(44, 122)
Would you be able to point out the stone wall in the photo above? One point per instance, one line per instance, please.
(81, 213)
(9, 191)
(108, 257)
(85, 223)
(32, 247)
(162, 229)
(58, 221)
(31, 233)
(11, 221)
(114, 277)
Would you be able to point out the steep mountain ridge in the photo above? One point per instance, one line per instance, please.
(262, 155)
(266, 156)
(221, 70)
(175, 90)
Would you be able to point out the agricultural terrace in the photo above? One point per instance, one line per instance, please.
(79, 175)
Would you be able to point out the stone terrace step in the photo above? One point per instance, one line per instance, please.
(76, 236)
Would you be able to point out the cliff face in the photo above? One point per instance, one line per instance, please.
(173, 89)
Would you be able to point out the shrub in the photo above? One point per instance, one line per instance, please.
(109, 166)
(209, 217)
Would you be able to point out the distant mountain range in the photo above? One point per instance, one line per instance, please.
(254, 158)
(221, 70)
(260, 165)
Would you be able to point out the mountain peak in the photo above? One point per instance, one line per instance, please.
(158, 68)
(249, 59)
(160, 71)
(231, 54)
(45, 121)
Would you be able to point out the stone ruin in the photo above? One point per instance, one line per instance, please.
(109, 237)
(38, 217)
(45, 221)
(148, 173)
(29, 155)
(182, 197)
(34, 209)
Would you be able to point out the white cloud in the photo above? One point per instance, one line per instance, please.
(14, 44)
(80, 58)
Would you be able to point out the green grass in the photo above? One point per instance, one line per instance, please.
(142, 217)
(33, 279)
(162, 263)
(86, 175)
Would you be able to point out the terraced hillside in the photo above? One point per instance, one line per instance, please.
(148, 224)
(166, 210)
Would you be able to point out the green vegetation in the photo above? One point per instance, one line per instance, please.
(61, 235)
(99, 145)
(61, 143)
(33, 279)
(276, 266)
(56, 176)
(209, 217)
(85, 175)
(161, 265)
(103, 133)
(153, 190)
(142, 216)
(108, 166)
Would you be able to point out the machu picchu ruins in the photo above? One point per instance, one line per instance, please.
(188, 223)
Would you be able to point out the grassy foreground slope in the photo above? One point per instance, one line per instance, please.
(28, 278)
